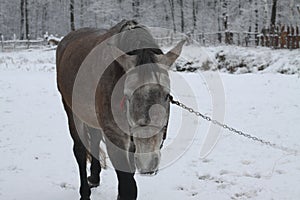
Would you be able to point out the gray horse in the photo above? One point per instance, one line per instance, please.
(115, 88)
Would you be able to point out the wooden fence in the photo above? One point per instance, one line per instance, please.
(7, 45)
(286, 37)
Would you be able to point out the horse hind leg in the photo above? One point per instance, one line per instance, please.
(80, 152)
(95, 139)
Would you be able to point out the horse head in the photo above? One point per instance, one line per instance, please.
(146, 92)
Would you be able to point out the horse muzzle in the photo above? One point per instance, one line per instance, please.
(147, 164)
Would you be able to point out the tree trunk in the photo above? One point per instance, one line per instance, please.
(37, 18)
(218, 11)
(22, 22)
(72, 21)
(225, 21)
(240, 7)
(171, 2)
(266, 13)
(182, 16)
(256, 23)
(292, 13)
(135, 8)
(81, 13)
(274, 12)
(26, 20)
(44, 18)
(194, 16)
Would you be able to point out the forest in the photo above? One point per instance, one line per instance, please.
(24, 19)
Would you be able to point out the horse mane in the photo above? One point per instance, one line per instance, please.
(139, 38)
(146, 56)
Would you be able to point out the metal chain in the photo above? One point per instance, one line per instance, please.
(224, 126)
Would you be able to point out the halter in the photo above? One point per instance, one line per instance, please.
(165, 127)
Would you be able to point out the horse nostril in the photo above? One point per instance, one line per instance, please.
(155, 161)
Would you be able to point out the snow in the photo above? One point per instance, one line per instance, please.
(36, 150)
(240, 60)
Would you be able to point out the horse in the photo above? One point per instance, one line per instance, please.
(115, 89)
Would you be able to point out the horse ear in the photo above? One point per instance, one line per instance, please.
(125, 60)
(169, 58)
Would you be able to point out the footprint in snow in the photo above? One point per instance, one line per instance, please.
(281, 171)
(246, 162)
(66, 186)
(9, 101)
(181, 188)
(191, 193)
(205, 177)
(255, 175)
(224, 172)
(206, 160)
(14, 168)
(246, 195)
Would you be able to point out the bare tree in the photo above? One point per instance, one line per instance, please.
(256, 21)
(195, 10)
(171, 2)
(58, 17)
(81, 13)
(44, 17)
(136, 8)
(72, 18)
(26, 20)
(181, 15)
(22, 21)
(273, 14)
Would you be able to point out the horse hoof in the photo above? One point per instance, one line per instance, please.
(88, 198)
(119, 198)
(92, 182)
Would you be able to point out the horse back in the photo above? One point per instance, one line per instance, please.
(72, 51)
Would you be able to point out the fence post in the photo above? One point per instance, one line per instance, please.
(276, 37)
(282, 37)
(247, 40)
(272, 32)
(2, 42)
(297, 37)
(262, 42)
(28, 41)
(14, 42)
(288, 38)
(293, 41)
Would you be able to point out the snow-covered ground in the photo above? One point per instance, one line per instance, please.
(241, 60)
(36, 150)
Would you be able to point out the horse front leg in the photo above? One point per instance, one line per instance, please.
(127, 186)
(117, 149)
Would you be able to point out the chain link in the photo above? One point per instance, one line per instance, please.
(238, 132)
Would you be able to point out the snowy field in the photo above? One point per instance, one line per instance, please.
(37, 161)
